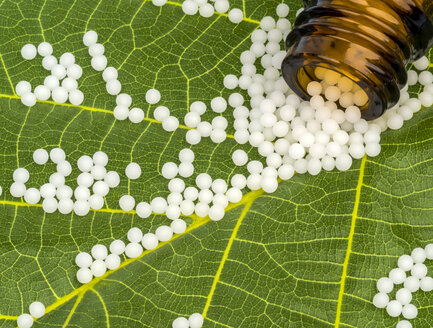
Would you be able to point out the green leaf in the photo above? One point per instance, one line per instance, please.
(306, 256)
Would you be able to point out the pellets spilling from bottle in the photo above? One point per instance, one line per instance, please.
(292, 135)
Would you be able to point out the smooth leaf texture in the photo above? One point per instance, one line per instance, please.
(306, 256)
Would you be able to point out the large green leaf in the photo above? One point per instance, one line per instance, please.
(305, 256)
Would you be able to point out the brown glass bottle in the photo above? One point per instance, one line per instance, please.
(368, 41)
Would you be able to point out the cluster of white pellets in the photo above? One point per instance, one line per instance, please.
(56, 194)
(216, 129)
(96, 264)
(36, 310)
(411, 272)
(195, 320)
(61, 85)
(122, 111)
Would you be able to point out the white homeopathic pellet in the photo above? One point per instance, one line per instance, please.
(195, 320)
(110, 73)
(158, 205)
(169, 170)
(170, 124)
(418, 255)
(112, 261)
(117, 247)
(150, 241)
(133, 171)
(98, 268)
(135, 235)
(153, 96)
(42, 92)
(65, 205)
(186, 155)
(96, 49)
(239, 157)
(89, 38)
(385, 285)
(83, 260)
(159, 3)
(25, 321)
(99, 252)
(37, 309)
(45, 49)
(59, 95)
(28, 99)
(404, 324)
(133, 250)
(67, 59)
(22, 88)
(113, 87)
(409, 311)
(84, 275)
(143, 210)
(21, 175)
(112, 178)
(394, 308)
(218, 104)
(32, 196)
(99, 63)
(127, 203)
(161, 113)
(381, 300)
(121, 113)
(397, 275)
(74, 71)
(28, 51)
(236, 15)
(189, 7)
(180, 322)
(405, 262)
(48, 62)
(164, 233)
(178, 226)
(136, 115)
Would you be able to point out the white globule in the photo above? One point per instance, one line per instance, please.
(99, 252)
(385, 285)
(28, 51)
(153, 96)
(412, 284)
(169, 170)
(170, 124)
(135, 235)
(133, 250)
(113, 87)
(235, 15)
(189, 7)
(150, 241)
(84, 275)
(239, 157)
(83, 260)
(178, 226)
(96, 202)
(89, 38)
(180, 322)
(110, 73)
(67, 59)
(37, 309)
(136, 115)
(158, 205)
(98, 268)
(127, 203)
(25, 320)
(99, 63)
(28, 99)
(405, 262)
(117, 247)
(398, 276)
(426, 284)
(218, 104)
(404, 296)
(409, 311)
(112, 261)
(69, 84)
(403, 324)
(164, 233)
(394, 308)
(96, 49)
(381, 300)
(48, 62)
(419, 270)
(133, 171)
(418, 255)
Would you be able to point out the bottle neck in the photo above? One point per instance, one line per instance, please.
(368, 41)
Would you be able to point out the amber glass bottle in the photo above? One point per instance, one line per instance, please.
(368, 41)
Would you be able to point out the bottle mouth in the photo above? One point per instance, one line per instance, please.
(299, 71)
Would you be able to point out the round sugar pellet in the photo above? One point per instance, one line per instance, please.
(49, 205)
(32, 196)
(221, 6)
(64, 192)
(153, 96)
(198, 107)
(394, 308)
(158, 205)
(195, 320)
(51, 82)
(124, 99)
(239, 157)
(380, 300)
(59, 95)
(83, 260)
(99, 63)
(59, 71)
(65, 205)
(89, 38)
(45, 49)
(64, 168)
(230, 81)
(22, 88)
(67, 59)
(236, 16)
(21, 175)
(127, 203)
(161, 113)
(96, 202)
(133, 250)
(192, 119)
(164, 233)
(112, 261)
(42, 92)
(28, 51)
(28, 99)
(159, 3)
(135, 235)
(178, 226)
(84, 275)
(397, 275)
(385, 285)
(101, 188)
(426, 284)
(98, 172)
(189, 7)
(150, 241)
(99, 252)
(24, 320)
(418, 255)
(113, 87)
(110, 73)
(405, 262)
(48, 62)
(74, 71)
(112, 179)
(419, 270)
(186, 169)
(37, 309)
(81, 207)
(96, 49)
(409, 311)
(218, 104)
(170, 124)
(117, 247)
(404, 296)
(180, 322)
(98, 268)
(121, 113)
(193, 137)
(133, 171)
(412, 283)
(143, 210)
(186, 155)
(403, 324)
(136, 115)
